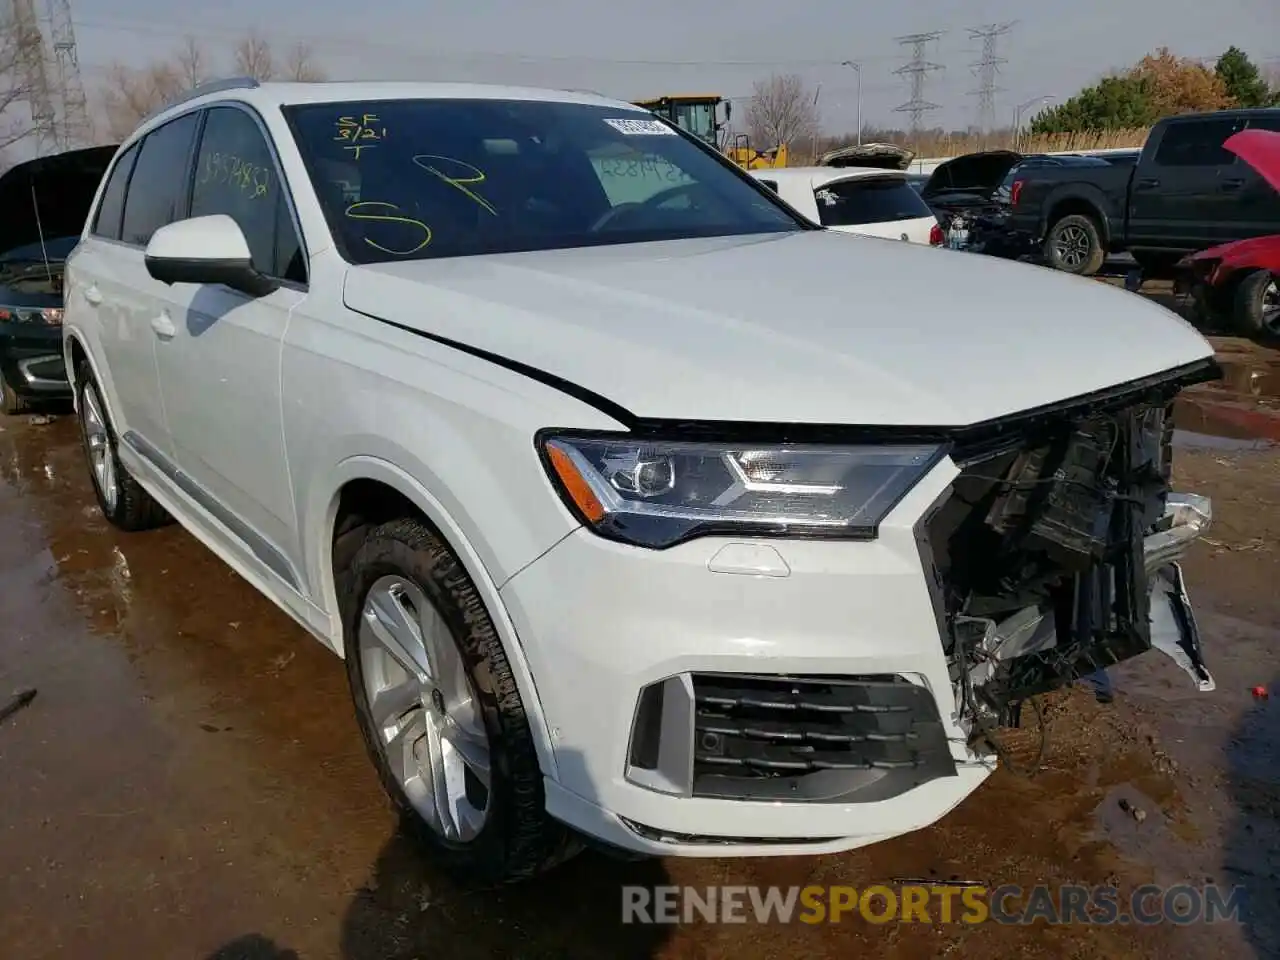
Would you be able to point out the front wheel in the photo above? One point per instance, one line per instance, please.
(439, 709)
(1074, 245)
(1257, 307)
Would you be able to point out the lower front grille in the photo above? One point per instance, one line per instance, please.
(853, 739)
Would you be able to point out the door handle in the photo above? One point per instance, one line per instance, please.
(92, 295)
(1232, 184)
(1148, 183)
(163, 326)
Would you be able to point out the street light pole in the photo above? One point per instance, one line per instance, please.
(1017, 116)
(857, 68)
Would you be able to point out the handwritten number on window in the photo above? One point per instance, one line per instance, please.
(249, 179)
(359, 133)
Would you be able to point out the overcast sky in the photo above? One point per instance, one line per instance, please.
(636, 49)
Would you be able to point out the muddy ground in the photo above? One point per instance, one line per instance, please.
(189, 781)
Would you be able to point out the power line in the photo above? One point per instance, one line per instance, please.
(417, 52)
(987, 69)
(917, 68)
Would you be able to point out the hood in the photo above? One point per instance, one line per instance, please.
(979, 172)
(807, 327)
(1260, 149)
(880, 156)
(64, 185)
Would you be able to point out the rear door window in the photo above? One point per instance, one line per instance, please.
(158, 187)
(1197, 143)
(106, 222)
(847, 203)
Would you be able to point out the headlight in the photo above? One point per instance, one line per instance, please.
(52, 316)
(657, 493)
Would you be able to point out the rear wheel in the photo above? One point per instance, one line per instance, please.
(439, 709)
(122, 500)
(1074, 245)
(10, 402)
(1257, 308)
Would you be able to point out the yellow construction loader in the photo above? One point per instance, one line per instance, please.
(706, 116)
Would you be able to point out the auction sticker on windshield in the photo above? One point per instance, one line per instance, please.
(640, 128)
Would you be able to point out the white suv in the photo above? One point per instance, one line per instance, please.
(639, 507)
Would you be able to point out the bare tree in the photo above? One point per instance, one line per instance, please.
(192, 63)
(782, 110)
(300, 65)
(254, 59)
(13, 84)
(132, 94)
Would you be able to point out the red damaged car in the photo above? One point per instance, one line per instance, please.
(1238, 284)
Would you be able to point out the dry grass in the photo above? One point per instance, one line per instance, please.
(938, 144)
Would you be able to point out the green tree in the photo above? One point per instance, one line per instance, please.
(1114, 103)
(1243, 79)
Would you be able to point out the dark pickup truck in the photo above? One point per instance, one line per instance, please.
(1185, 193)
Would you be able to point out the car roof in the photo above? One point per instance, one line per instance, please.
(819, 176)
(275, 94)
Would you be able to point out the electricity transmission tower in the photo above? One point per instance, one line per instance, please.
(33, 75)
(75, 128)
(50, 79)
(987, 69)
(917, 68)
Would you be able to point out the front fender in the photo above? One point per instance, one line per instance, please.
(397, 478)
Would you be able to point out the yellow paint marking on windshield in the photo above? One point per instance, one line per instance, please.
(351, 212)
(359, 133)
(458, 183)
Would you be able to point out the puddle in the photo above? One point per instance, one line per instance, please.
(1247, 378)
(1188, 440)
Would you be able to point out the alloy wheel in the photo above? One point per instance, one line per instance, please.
(1271, 308)
(98, 440)
(1072, 246)
(424, 709)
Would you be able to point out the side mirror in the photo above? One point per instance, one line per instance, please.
(209, 249)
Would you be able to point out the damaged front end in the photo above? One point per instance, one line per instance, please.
(1056, 553)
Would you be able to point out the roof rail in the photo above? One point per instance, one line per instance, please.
(213, 86)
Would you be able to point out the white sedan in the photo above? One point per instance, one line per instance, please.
(864, 200)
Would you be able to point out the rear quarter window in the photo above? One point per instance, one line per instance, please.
(847, 203)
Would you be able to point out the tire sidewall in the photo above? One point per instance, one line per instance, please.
(1096, 254)
(1249, 305)
(87, 383)
(382, 556)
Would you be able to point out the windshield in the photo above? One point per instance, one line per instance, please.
(848, 203)
(416, 179)
(698, 118)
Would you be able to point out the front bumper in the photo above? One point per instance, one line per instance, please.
(601, 623)
(31, 360)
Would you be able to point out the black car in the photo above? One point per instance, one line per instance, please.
(979, 188)
(42, 203)
(1185, 192)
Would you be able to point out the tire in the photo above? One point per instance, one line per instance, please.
(121, 498)
(11, 402)
(1257, 306)
(405, 562)
(1074, 245)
